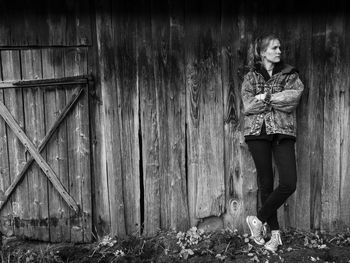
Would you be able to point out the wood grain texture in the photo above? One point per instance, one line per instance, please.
(205, 108)
(128, 110)
(192, 113)
(56, 153)
(316, 117)
(111, 177)
(35, 130)
(102, 216)
(230, 31)
(167, 36)
(344, 138)
(5, 179)
(247, 27)
(79, 149)
(11, 69)
(301, 57)
(332, 130)
(149, 122)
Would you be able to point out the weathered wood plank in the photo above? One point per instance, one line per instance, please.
(78, 26)
(230, 32)
(109, 191)
(247, 27)
(33, 101)
(128, 110)
(101, 216)
(316, 118)
(56, 152)
(192, 112)
(331, 162)
(13, 99)
(149, 122)
(79, 150)
(205, 107)
(167, 36)
(300, 56)
(6, 227)
(344, 136)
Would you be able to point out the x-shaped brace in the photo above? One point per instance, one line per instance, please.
(35, 152)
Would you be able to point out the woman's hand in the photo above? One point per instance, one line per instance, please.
(261, 96)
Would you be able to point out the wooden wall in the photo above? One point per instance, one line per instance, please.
(36, 209)
(171, 115)
(45, 23)
(166, 114)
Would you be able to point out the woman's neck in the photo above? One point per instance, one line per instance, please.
(268, 66)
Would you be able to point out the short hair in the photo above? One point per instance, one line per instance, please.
(261, 43)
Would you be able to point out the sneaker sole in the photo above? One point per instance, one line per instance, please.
(252, 234)
(271, 250)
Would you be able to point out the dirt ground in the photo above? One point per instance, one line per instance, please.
(190, 246)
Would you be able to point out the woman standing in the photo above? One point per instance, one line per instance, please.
(271, 91)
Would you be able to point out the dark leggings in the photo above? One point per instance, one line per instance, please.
(272, 199)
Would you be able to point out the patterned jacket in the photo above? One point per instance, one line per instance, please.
(284, 90)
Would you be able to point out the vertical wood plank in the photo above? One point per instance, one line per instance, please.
(38, 225)
(167, 36)
(231, 36)
(297, 208)
(6, 225)
(316, 117)
(149, 122)
(160, 36)
(192, 112)
(124, 24)
(78, 30)
(205, 107)
(247, 27)
(56, 152)
(56, 22)
(79, 149)
(104, 83)
(344, 138)
(331, 162)
(112, 216)
(14, 102)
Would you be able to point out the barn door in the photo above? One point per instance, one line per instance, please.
(45, 159)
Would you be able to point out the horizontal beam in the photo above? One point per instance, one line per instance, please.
(82, 79)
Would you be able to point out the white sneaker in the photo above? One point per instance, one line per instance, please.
(274, 242)
(256, 229)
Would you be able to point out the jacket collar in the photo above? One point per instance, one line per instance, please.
(279, 67)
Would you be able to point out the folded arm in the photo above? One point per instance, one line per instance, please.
(288, 99)
(251, 104)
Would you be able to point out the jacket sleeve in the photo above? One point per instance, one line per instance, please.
(288, 99)
(251, 105)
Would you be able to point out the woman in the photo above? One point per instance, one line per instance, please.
(271, 91)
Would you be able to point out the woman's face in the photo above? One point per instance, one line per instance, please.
(272, 53)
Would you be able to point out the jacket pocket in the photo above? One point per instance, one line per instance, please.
(284, 121)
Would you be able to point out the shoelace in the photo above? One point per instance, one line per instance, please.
(258, 233)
